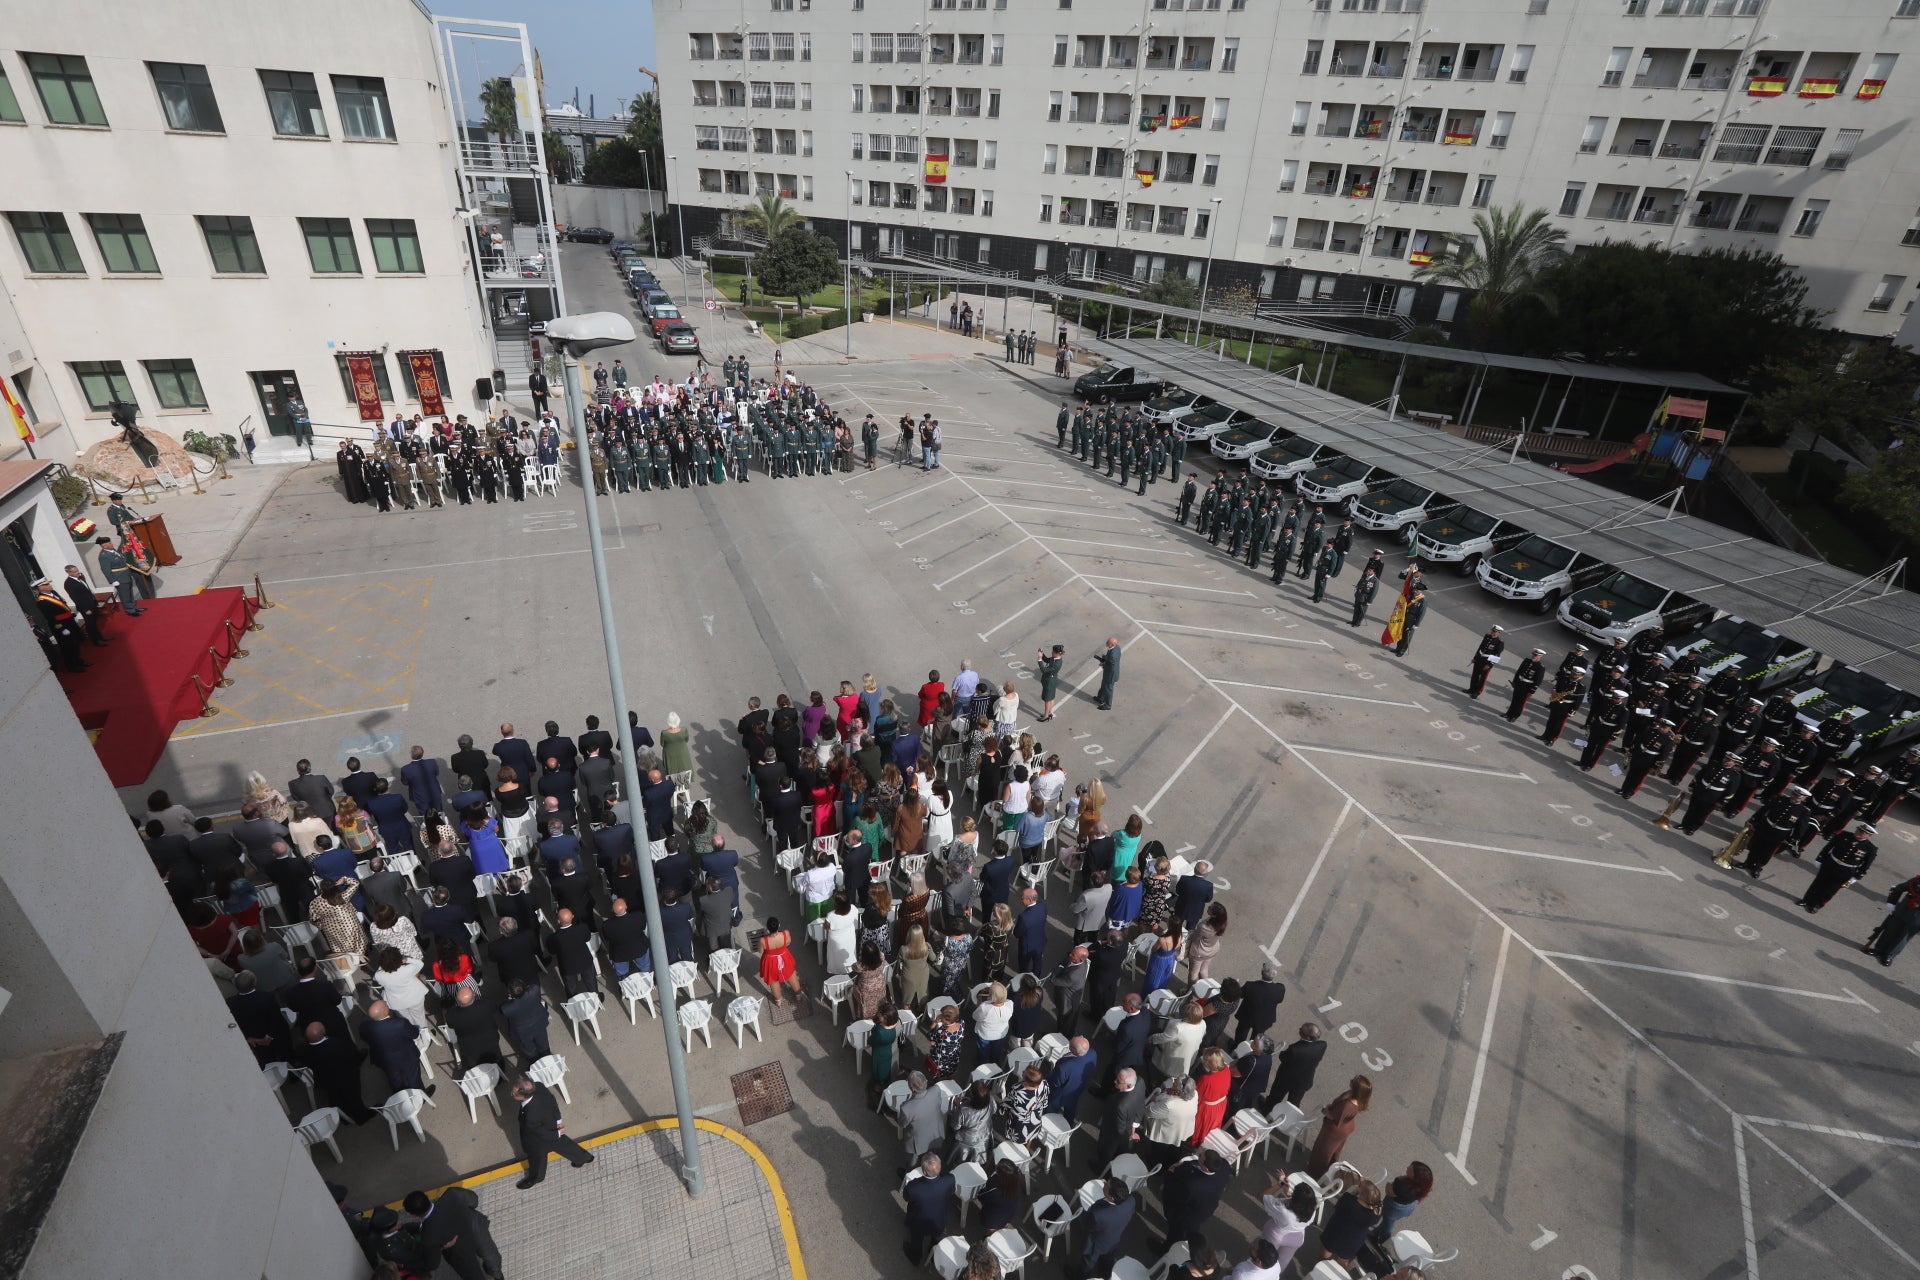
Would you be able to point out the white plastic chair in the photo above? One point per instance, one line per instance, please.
(480, 1081)
(891, 1098)
(550, 478)
(1053, 1046)
(1056, 1134)
(635, 988)
(277, 1073)
(1163, 1003)
(1129, 1269)
(723, 966)
(1204, 989)
(950, 1258)
(835, 992)
(1087, 1194)
(584, 1007)
(1022, 1158)
(298, 936)
(1410, 1249)
(1112, 1018)
(908, 865)
(1337, 1179)
(1018, 1060)
(269, 895)
(1011, 1250)
(696, 1015)
(1131, 1169)
(1035, 874)
(530, 476)
(1253, 1129)
(1298, 1180)
(1289, 1120)
(950, 758)
(969, 1177)
(1051, 1216)
(404, 1107)
(1224, 1145)
(423, 1040)
(935, 1005)
(684, 974)
(856, 1039)
(551, 1071)
(744, 1012)
(317, 1128)
(1137, 953)
(948, 1090)
(1177, 1255)
(1328, 1269)
(817, 934)
(829, 845)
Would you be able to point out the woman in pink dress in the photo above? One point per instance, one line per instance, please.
(1213, 1080)
(821, 797)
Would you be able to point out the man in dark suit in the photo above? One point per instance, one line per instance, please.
(516, 954)
(313, 790)
(929, 1200)
(676, 921)
(421, 777)
(472, 765)
(216, 853)
(445, 918)
(358, 783)
(556, 785)
(625, 937)
(314, 999)
(515, 754)
(383, 884)
(573, 891)
(331, 864)
(1190, 1195)
(1067, 986)
(723, 864)
(1260, 1003)
(753, 729)
(557, 843)
(1293, 1071)
(1070, 1077)
(556, 751)
(675, 870)
(1102, 1225)
(454, 871)
(1106, 963)
(768, 774)
(612, 839)
(1120, 1118)
(453, 1231)
(542, 1133)
(389, 813)
(595, 778)
(292, 877)
(86, 605)
(656, 802)
(1131, 1037)
(996, 879)
(1109, 659)
(476, 1035)
(335, 1064)
(257, 1014)
(595, 738)
(1192, 894)
(525, 1010)
(1030, 930)
(570, 946)
(167, 848)
(256, 834)
(393, 1044)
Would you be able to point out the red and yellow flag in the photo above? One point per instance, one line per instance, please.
(1459, 139)
(1420, 258)
(936, 169)
(1766, 86)
(21, 426)
(1397, 621)
(1184, 122)
(1146, 176)
(1870, 89)
(1819, 88)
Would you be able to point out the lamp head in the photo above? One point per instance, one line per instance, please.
(578, 334)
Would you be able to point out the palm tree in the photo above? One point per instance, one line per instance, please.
(501, 112)
(768, 215)
(1514, 250)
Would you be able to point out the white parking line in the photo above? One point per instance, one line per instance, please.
(1746, 1197)
(1848, 998)
(1031, 484)
(1117, 546)
(1166, 586)
(1060, 511)
(1272, 949)
(911, 493)
(1854, 1134)
(941, 586)
(1547, 857)
(1320, 693)
(1458, 1157)
(1147, 808)
(987, 457)
(1250, 635)
(1425, 764)
(970, 511)
(1028, 605)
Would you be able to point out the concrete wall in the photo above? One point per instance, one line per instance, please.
(621, 210)
(188, 1167)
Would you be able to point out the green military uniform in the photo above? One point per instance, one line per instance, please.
(1262, 530)
(597, 459)
(1363, 593)
(1322, 570)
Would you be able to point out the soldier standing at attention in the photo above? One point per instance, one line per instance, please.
(1323, 570)
(1363, 594)
(1341, 542)
(1648, 751)
(1208, 501)
(1262, 531)
(1188, 491)
(1606, 722)
(1143, 461)
(1049, 666)
(1415, 615)
(1242, 518)
(1710, 787)
(1777, 822)
(1842, 860)
(1568, 690)
(1485, 659)
(1060, 425)
(1695, 734)
(1311, 542)
(1527, 677)
(400, 479)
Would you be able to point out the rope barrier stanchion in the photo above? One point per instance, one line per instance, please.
(233, 641)
(219, 665)
(145, 497)
(252, 607)
(206, 698)
(260, 594)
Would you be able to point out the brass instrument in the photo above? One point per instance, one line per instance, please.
(1735, 847)
(1664, 820)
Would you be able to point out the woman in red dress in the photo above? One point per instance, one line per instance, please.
(848, 703)
(822, 798)
(1213, 1080)
(1336, 1125)
(777, 969)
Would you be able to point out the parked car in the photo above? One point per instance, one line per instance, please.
(680, 337)
(1334, 478)
(1766, 658)
(622, 246)
(1204, 424)
(1540, 570)
(1118, 382)
(1286, 457)
(1245, 439)
(651, 298)
(1623, 606)
(1401, 507)
(1886, 717)
(588, 235)
(662, 316)
(1171, 403)
(1464, 535)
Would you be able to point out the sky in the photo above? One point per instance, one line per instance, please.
(594, 45)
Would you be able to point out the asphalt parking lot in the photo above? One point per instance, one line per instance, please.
(1620, 1060)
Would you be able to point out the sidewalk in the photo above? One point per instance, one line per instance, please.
(206, 527)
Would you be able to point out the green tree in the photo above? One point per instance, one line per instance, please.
(1515, 248)
(1172, 290)
(797, 263)
(1890, 488)
(1852, 393)
(768, 215)
(644, 131)
(559, 156)
(614, 163)
(501, 113)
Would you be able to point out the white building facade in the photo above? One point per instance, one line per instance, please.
(210, 204)
(1337, 144)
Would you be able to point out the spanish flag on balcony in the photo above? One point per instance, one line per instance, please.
(1152, 124)
(1766, 86)
(1458, 139)
(936, 169)
(1146, 176)
(1420, 258)
(1819, 88)
(1870, 88)
(17, 412)
(1369, 129)
(1185, 122)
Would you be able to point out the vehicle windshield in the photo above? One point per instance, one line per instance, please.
(1855, 688)
(1403, 491)
(1731, 633)
(1625, 588)
(1212, 413)
(1297, 447)
(1350, 468)
(1539, 551)
(1251, 429)
(1465, 523)
(1173, 398)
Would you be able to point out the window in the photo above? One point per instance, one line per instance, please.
(1793, 145)
(1810, 218)
(293, 100)
(1219, 113)
(1912, 237)
(396, 246)
(1230, 53)
(859, 97)
(1616, 68)
(186, 96)
(1590, 138)
(1276, 232)
(1040, 257)
(986, 204)
(1060, 51)
(66, 88)
(760, 45)
(1907, 9)
(806, 46)
(806, 95)
(1449, 306)
(362, 103)
(123, 242)
(46, 243)
(406, 372)
(1056, 102)
(175, 383)
(1740, 144)
(1522, 60)
(859, 47)
(235, 250)
(984, 252)
(1888, 290)
(1289, 175)
(1844, 144)
(9, 104)
(330, 246)
(993, 104)
(990, 154)
(1483, 191)
(1570, 201)
(998, 53)
(1502, 129)
(1046, 208)
(103, 383)
(1210, 171)
(379, 375)
(859, 146)
(1310, 65)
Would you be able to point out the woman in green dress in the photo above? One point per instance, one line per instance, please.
(1049, 666)
(717, 467)
(675, 747)
(880, 1042)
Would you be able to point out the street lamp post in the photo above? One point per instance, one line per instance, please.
(573, 337)
(680, 207)
(846, 274)
(653, 227)
(1206, 276)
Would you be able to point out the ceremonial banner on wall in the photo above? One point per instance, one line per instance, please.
(426, 380)
(366, 390)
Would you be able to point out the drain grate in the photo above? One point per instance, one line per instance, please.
(761, 1092)
(793, 1010)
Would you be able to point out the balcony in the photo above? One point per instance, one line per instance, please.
(1161, 61)
(1657, 217)
(1476, 73)
(1108, 221)
(1310, 242)
(734, 146)
(974, 59)
(1446, 199)
(1404, 197)
(1071, 219)
(1387, 249)
(1657, 80)
(965, 110)
(1380, 71)
(1114, 169)
(879, 153)
(1633, 147)
(1178, 175)
(1083, 61)
(1078, 168)
(1140, 224)
(960, 162)
(1117, 117)
(1345, 246)
(1334, 131)
(1799, 157)
(1196, 64)
(1757, 226)
(707, 144)
(710, 186)
(1710, 220)
(883, 108)
(939, 108)
(1418, 135)
(706, 100)
(1322, 187)
(1121, 61)
(1173, 226)
(1710, 83)
(1338, 68)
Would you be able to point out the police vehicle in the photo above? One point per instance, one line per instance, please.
(1334, 477)
(1286, 456)
(1400, 507)
(1766, 658)
(1885, 716)
(1204, 424)
(1623, 606)
(1463, 536)
(1246, 439)
(1118, 382)
(1541, 571)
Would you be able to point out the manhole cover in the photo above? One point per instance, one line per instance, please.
(793, 1010)
(762, 1092)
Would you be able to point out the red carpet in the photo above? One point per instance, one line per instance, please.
(141, 684)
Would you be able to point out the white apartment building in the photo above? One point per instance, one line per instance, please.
(1324, 148)
(210, 203)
